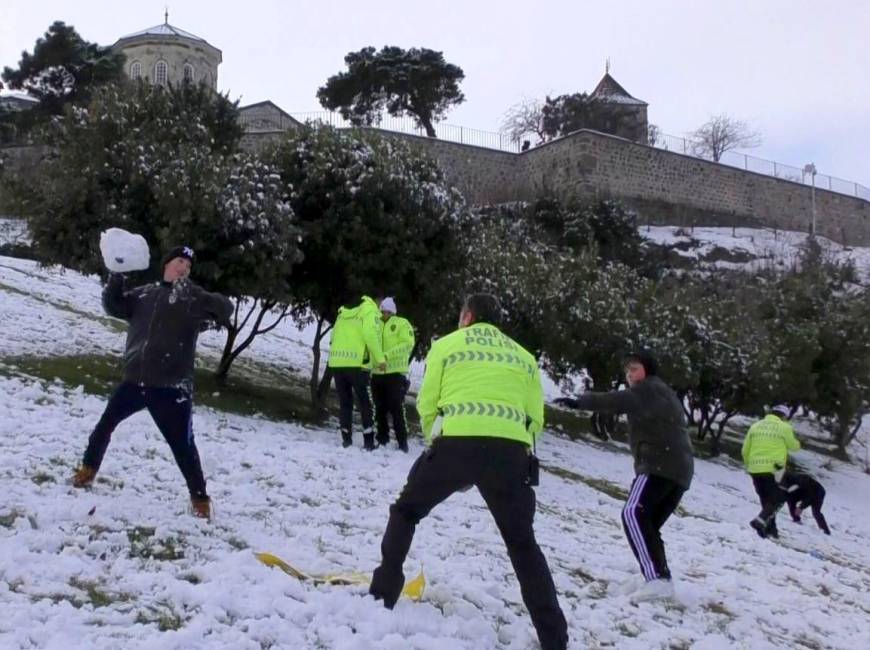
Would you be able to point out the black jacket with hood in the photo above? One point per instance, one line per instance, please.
(165, 321)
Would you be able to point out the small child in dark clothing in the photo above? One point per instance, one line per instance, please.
(804, 491)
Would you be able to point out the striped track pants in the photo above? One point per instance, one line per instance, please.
(650, 502)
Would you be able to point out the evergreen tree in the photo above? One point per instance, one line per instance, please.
(377, 218)
(568, 113)
(63, 69)
(162, 163)
(417, 81)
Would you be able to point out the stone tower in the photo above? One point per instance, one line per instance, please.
(166, 54)
(625, 116)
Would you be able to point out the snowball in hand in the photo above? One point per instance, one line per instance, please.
(123, 251)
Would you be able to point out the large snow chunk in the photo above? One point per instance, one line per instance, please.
(123, 251)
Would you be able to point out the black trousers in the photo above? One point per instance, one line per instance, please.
(815, 503)
(651, 500)
(388, 392)
(772, 496)
(171, 408)
(350, 382)
(499, 469)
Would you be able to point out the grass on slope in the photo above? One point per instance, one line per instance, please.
(240, 394)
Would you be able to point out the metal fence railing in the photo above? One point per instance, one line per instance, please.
(767, 167)
(448, 132)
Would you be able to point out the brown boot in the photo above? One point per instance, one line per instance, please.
(84, 476)
(201, 507)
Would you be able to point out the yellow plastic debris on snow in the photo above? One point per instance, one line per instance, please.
(412, 589)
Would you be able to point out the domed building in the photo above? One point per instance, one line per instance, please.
(165, 54)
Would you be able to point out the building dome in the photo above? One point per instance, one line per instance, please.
(165, 54)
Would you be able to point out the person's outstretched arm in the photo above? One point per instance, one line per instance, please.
(617, 401)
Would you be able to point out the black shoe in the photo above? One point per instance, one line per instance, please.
(369, 442)
(403, 446)
(387, 586)
(759, 527)
(382, 442)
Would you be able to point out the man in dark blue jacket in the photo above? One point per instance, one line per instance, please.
(165, 319)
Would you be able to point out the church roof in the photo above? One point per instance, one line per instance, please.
(163, 29)
(609, 90)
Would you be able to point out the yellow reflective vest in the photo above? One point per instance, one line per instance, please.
(355, 341)
(397, 341)
(767, 443)
(482, 383)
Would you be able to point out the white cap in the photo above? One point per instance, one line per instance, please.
(388, 304)
(781, 410)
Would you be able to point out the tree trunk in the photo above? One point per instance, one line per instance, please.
(426, 121)
(229, 353)
(319, 386)
(846, 431)
(716, 437)
(226, 356)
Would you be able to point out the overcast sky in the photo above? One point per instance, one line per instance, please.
(798, 71)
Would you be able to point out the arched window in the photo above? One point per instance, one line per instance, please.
(135, 70)
(160, 73)
(188, 72)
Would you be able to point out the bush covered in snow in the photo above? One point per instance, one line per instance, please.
(377, 218)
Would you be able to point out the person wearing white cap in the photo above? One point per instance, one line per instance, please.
(765, 455)
(390, 384)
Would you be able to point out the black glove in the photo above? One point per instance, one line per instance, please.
(570, 402)
(115, 279)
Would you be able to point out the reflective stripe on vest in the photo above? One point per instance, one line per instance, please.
(484, 408)
(496, 357)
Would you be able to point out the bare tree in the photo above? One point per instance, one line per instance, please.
(524, 120)
(723, 133)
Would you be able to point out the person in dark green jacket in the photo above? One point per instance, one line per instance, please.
(481, 405)
(390, 385)
(353, 348)
(663, 463)
(765, 455)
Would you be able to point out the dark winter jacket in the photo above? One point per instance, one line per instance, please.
(656, 427)
(802, 491)
(165, 321)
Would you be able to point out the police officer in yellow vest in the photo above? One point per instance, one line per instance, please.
(354, 347)
(765, 455)
(482, 393)
(390, 385)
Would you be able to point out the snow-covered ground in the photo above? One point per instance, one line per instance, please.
(760, 247)
(123, 565)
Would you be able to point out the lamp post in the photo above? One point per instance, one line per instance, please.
(810, 169)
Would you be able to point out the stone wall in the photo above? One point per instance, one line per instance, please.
(266, 117)
(672, 188)
(482, 175)
(20, 159)
(665, 188)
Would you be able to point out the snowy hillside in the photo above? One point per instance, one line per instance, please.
(123, 565)
(748, 248)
